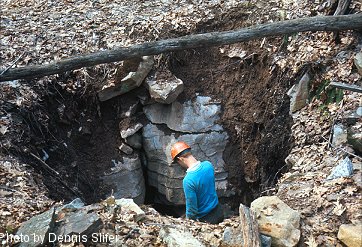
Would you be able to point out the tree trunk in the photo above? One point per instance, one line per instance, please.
(319, 23)
(340, 10)
(342, 7)
(249, 228)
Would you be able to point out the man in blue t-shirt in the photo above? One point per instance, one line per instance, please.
(199, 186)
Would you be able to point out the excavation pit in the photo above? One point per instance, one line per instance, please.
(78, 136)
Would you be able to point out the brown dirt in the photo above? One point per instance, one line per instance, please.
(255, 111)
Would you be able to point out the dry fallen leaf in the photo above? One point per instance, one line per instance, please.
(339, 209)
(350, 190)
(311, 242)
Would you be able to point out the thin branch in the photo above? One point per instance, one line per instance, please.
(344, 86)
(160, 225)
(45, 164)
(11, 65)
(56, 175)
(343, 150)
(7, 188)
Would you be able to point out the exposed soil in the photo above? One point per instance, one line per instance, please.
(255, 112)
(81, 134)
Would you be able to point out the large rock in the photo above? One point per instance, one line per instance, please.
(126, 179)
(166, 176)
(37, 229)
(70, 222)
(350, 235)
(358, 62)
(164, 87)
(128, 77)
(125, 133)
(195, 123)
(126, 149)
(175, 238)
(80, 224)
(299, 94)
(135, 140)
(277, 220)
(196, 116)
(343, 169)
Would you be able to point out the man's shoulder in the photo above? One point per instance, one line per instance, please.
(207, 163)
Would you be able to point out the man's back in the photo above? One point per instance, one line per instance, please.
(199, 188)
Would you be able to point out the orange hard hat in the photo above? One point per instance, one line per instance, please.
(178, 148)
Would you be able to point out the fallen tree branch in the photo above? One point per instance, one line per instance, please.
(56, 175)
(319, 23)
(343, 150)
(345, 86)
(45, 164)
(11, 65)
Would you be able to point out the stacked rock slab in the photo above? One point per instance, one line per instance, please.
(126, 179)
(193, 122)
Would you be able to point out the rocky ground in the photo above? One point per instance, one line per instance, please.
(51, 31)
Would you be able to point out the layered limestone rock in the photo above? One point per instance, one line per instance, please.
(164, 87)
(126, 179)
(128, 76)
(192, 122)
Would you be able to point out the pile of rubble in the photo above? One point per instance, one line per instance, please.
(121, 222)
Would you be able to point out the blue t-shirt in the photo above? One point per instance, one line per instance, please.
(199, 189)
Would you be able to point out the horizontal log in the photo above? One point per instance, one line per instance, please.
(319, 23)
(345, 86)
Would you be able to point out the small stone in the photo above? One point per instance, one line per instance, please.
(332, 197)
(343, 169)
(131, 131)
(266, 241)
(164, 89)
(358, 62)
(359, 111)
(350, 235)
(128, 77)
(126, 149)
(339, 135)
(130, 205)
(77, 203)
(175, 238)
(232, 237)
